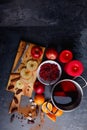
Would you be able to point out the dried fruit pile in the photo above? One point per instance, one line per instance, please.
(49, 72)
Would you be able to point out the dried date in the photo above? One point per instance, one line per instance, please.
(18, 91)
(10, 87)
(14, 109)
(15, 79)
(15, 100)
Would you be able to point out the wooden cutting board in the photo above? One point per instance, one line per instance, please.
(17, 84)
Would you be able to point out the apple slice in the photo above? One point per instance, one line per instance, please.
(32, 65)
(25, 73)
(19, 85)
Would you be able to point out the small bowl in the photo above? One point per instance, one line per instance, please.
(50, 73)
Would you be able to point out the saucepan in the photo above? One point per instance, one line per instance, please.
(67, 94)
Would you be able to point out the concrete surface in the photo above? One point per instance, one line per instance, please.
(47, 36)
(62, 24)
(39, 12)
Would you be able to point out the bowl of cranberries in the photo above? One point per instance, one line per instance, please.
(49, 72)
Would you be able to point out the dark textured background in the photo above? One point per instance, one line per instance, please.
(58, 23)
(68, 14)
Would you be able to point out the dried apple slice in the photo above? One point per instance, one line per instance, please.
(25, 73)
(32, 65)
(19, 84)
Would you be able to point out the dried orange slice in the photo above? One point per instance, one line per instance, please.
(57, 112)
(51, 117)
(39, 99)
(46, 107)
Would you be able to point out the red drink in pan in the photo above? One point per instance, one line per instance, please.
(67, 94)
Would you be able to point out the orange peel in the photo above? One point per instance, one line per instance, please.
(46, 107)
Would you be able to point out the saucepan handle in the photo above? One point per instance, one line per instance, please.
(82, 79)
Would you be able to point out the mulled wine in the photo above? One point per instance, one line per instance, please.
(66, 95)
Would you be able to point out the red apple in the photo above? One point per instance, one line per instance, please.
(74, 68)
(65, 56)
(36, 52)
(39, 88)
(51, 54)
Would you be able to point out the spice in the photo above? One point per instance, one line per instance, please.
(12, 117)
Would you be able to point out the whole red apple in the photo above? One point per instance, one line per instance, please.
(36, 52)
(65, 56)
(51, 54)
(39, 88)
(74, 68)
